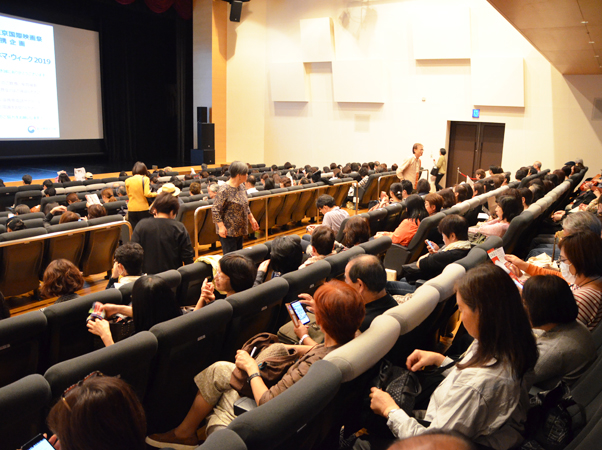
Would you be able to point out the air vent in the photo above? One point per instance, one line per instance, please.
(597, 112)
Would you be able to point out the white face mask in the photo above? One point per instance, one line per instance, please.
(566, 273)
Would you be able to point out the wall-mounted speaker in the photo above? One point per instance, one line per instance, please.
(235, 10)
(202, 114)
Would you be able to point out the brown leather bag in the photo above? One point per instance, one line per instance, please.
(273, 360)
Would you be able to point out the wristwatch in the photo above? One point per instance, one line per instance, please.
(391, 412)
(305, 336)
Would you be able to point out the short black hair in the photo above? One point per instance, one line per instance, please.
(22, 209)
(527, 194)
(363, 172)
(27, 179)
(48, 183)
(15, 224)
(423, 186)
(370, 270)
(510, 205)
(522, 173)
(442, 151)
(240, 269)
(325, 200)
(454, 223)
(549, 299)
(286, 254)
(407, 186)
(165, 203)
(131, 257)
(50, 191)
(322, 240)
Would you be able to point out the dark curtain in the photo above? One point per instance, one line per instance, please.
(183, 7)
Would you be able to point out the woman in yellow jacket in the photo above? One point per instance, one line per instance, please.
(138, 190)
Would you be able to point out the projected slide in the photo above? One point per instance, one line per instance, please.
(28, 93)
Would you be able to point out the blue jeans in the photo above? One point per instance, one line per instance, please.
(400, 287)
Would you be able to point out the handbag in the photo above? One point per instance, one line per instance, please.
(273, 359)
(434, 171)
(400, 383)
(121, 327)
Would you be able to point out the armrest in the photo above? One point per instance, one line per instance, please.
(244, 404)
(396, 257)
(420, 283)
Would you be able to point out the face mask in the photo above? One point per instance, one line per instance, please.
(566, 273)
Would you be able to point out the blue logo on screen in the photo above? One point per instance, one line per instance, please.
(31, 129)
(476, 113)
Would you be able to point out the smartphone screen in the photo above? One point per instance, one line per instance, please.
(38, 443)
(300, 312)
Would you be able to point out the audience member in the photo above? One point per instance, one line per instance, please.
(61, 279)
(15, 224)
(96, 210)
(139, 191)
(26, 180)
(433, 203)
(68, 216)
(286, 256)
(322, 244)
(508, 207)
(153, 302)
(98, 413)
(449, 198)
(165, 241)
(566, 347)
(107, 194)
(355, 232)
(413, 215)
(423, 187)
(21, 209)
(127, 267)
(333, 215)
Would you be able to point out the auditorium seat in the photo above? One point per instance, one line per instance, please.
(29, 198)
(2, 229)
(112, 208)
(66, 335)
(20, 340)
(339, 261)
(193, 276)
(398, 255)
(130, 358)
(172, 277)
(20, 263)
(79, 208)
(307, 197)
(30, 187)
(376, 219)
(274, 206)
(186, 217)
(207, 230)
(258, 206)
(60, 199)
(68, 246)
(33, 223)
(100, 247)
(7, 197)
(377, 246)
(255, 311)
(23, 408)
(186, 345)
(289, 204)
(283, 421)
(257, 253)
(393, 218)
(368, 192)
(224, 439)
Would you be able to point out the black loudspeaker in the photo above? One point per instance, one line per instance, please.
(202, 114)
(235, 10)
(206, 136)
(209, 156)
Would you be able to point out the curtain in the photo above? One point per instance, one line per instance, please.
(182, 7)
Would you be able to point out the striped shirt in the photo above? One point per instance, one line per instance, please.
(589, 301)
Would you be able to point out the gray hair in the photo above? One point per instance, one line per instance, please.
(537, 164)
(238, 168)
(214, 187)
(582, 221)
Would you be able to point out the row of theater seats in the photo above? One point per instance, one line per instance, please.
(90, 245)
(159, 364)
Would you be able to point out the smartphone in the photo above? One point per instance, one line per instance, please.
(430, 244)
(38, 443)
(297, 313)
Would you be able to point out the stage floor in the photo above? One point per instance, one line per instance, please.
(15, 172)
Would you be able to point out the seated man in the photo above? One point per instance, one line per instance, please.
(454, 229)
(333, 215)
(165, 241)
(322, 244)
(128, 265)
(286, 255)
(367, 275)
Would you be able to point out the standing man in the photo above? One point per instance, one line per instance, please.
(537, 165)
(410, 168)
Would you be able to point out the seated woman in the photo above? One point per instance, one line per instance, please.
(396, 195)
(153, 302)
(339, 311)
(454, 230)
(581, 268)
(95, 211)
(356, 231)
(61, 279)
(449, 198)
(75, 420)
(508, 207)
(566, 347)
(415, 212)
(286, 256)
(484, 397)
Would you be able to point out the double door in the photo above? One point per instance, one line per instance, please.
(472, 146)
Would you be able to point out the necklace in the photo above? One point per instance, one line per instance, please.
(590, 281)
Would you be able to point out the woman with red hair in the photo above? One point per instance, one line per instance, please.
(339, 311)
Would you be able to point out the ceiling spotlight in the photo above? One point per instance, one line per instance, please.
(591, 42)
(584, 22)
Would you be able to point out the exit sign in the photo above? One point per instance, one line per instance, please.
(476, 113)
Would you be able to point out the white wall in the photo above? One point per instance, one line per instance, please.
(201, 60)
(420, 96)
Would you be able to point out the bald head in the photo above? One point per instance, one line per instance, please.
(433, 442)
(370, 270)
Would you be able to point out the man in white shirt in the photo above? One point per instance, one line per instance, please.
(410, 168)
(250, 185)
(333, 215)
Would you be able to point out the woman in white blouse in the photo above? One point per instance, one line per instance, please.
(484, 396)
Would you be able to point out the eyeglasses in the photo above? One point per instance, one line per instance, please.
(564, 260)
(94, 374)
